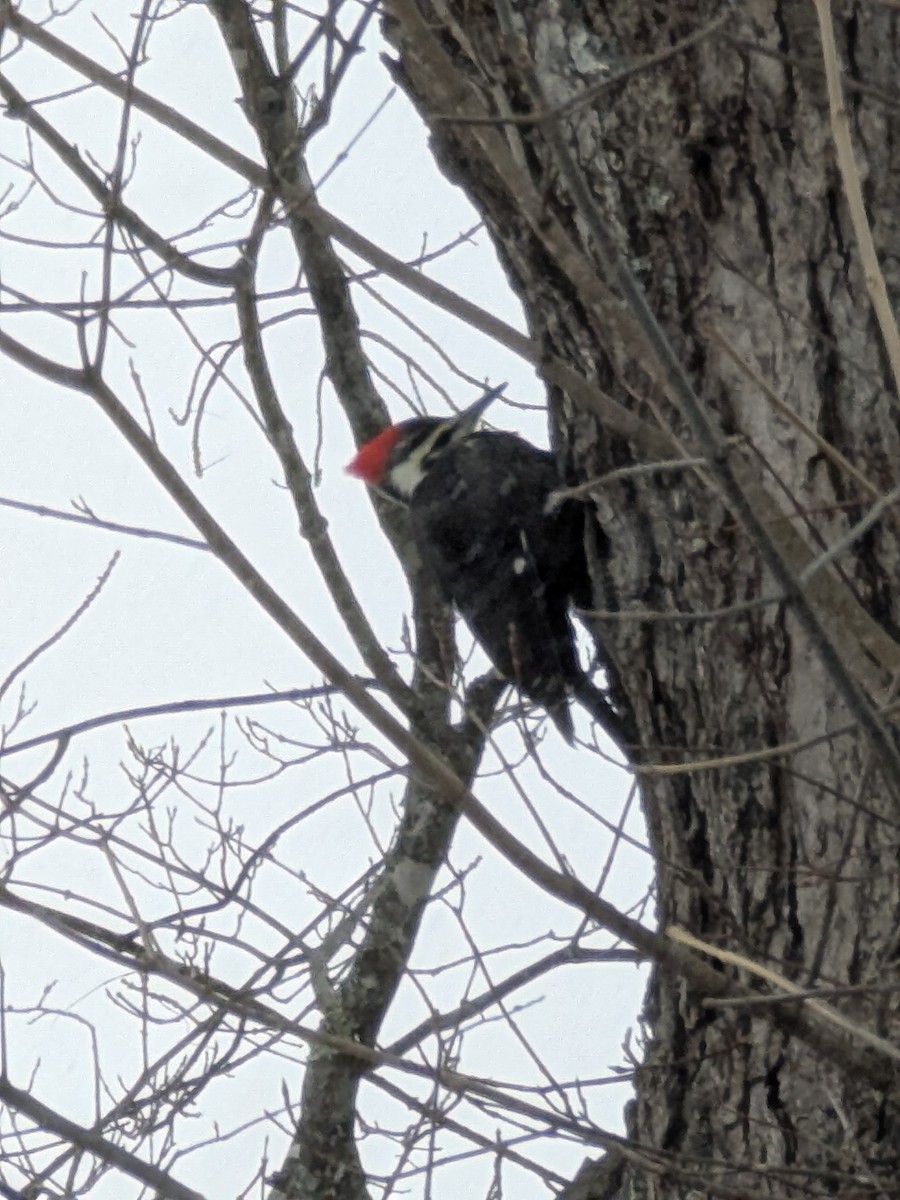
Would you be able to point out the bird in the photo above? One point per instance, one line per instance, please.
(504, 551)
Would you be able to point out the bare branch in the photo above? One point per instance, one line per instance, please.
(57, 514)
(47, 1118)
(60, 633)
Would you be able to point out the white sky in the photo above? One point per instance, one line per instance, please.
(172, 624)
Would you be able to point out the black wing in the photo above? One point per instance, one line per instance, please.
(507, 565)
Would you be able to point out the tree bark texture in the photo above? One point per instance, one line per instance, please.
(715, 168)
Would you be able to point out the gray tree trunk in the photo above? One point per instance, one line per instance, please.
(716, 171)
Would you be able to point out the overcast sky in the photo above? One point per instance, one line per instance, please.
(171, 624)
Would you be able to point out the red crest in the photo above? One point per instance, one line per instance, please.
(370, 461)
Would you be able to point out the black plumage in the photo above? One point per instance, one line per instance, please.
(511, 567)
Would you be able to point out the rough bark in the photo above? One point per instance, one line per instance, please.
(715, 169)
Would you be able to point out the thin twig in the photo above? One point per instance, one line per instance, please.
(589, 94)
(64, 628)
(174, 708)
(843, 144)
(674, 614)
(41, 510)
(825, 1011)
(855, 532)
(812, 993)
(313, 526)
(162, 1184)
(578, 492)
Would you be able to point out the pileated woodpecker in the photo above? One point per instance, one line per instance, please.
(510, 560)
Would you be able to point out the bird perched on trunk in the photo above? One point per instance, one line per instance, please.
(508, 557)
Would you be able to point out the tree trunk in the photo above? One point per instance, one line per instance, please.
(715, 169)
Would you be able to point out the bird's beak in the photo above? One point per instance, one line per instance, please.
(468, 419)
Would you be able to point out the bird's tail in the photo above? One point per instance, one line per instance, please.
(561, 717)
(597, 703)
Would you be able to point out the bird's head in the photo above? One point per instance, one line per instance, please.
(398, 459)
